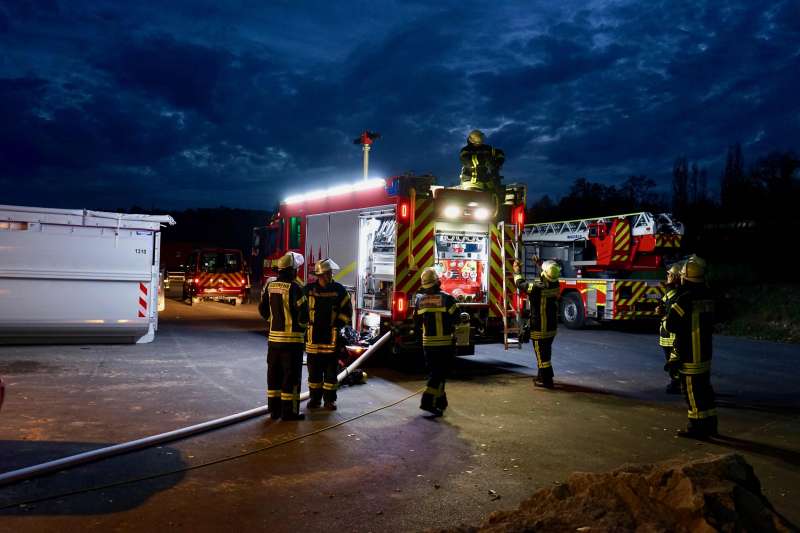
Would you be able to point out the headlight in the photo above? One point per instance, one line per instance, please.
(482, 213)
(452, 211)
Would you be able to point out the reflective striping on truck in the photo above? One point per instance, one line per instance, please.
(496, 270)
(415, 252)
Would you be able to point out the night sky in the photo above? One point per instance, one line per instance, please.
(176, 104)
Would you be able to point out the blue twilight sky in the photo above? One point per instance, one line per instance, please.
(196, 104)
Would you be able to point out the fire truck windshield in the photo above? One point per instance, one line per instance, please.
(220, 262)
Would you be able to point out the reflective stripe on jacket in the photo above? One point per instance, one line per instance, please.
(691, 318)
(329, 310)
(543, 296)
(666, 338)
(284, 306)
(435, 316)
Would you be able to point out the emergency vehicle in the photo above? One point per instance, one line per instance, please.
(384, 232)
(605, 263)
(215, 274)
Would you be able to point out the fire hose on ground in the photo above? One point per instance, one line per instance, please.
(154, 440)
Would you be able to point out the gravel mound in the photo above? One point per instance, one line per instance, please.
(718, 493)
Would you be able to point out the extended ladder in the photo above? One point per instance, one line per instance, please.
(642, 223)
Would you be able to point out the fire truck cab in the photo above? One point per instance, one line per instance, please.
(384, 232)
(215, 274)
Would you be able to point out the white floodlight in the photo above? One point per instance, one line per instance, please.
(336, 190)
(452, 211)
(482, 213)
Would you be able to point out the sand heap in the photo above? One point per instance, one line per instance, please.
(718, 493)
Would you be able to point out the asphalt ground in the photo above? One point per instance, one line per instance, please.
(377, 463)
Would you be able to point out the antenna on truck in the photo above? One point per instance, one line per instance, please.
(365, 140)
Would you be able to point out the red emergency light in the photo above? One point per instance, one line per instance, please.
(399, 306)
(405, 210)
(518, 215)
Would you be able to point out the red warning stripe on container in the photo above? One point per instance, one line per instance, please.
(142, 300)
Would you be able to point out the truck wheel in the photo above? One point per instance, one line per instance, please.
(572, 312)
(237, 302)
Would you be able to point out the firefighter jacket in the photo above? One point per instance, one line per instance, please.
(543, 296)
(480, 167)
(435, 316)
(666, 338)
(329, 310)
(285, 307)
(691, 318)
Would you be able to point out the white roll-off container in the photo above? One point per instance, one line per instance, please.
(75, 275)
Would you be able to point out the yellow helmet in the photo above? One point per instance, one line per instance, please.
(550, 270)
(325, 265)
(475, 137)
(696, 259)
(694, 270)
(675, 269)
(290, 260)
(429, 278)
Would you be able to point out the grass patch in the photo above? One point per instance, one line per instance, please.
(765, 312)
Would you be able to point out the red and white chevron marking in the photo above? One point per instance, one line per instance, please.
(142, 300)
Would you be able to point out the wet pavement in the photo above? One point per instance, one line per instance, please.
(377, 463)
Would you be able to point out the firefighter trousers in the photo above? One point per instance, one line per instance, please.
(543, 349)
(699, 395)
(284, 372)
(322, 382)
(438, 359)
(674, 374)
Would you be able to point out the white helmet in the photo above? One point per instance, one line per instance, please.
(551, 270)
(325, 265)
(291, 260)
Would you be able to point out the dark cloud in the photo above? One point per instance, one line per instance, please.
(201, 103)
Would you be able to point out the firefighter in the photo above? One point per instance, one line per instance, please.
(480, 166)
(666, 338)
(329, 310)
(284, 306)
(690, 317)
(435, 315)
(543, 295)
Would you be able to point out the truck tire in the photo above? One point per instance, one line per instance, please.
(572, 313)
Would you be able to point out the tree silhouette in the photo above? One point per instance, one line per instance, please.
(733, 183)
(680, 186)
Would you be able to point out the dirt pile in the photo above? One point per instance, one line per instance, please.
(719, 493)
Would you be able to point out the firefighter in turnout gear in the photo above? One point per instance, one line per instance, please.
(690, 317)
(283, 305)
(480, 166)
(666, 338)
(329, 310)
(435, 316)
(543, 295)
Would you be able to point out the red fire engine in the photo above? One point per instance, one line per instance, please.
(384, 232)
(215, 274)
(605, 263)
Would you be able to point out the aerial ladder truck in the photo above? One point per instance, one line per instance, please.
(610, 265)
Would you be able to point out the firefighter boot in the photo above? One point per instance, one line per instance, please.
(288, 412)
(274, 407)
(314, 398)
(441, 402)
(544, 379)
(427, 404)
